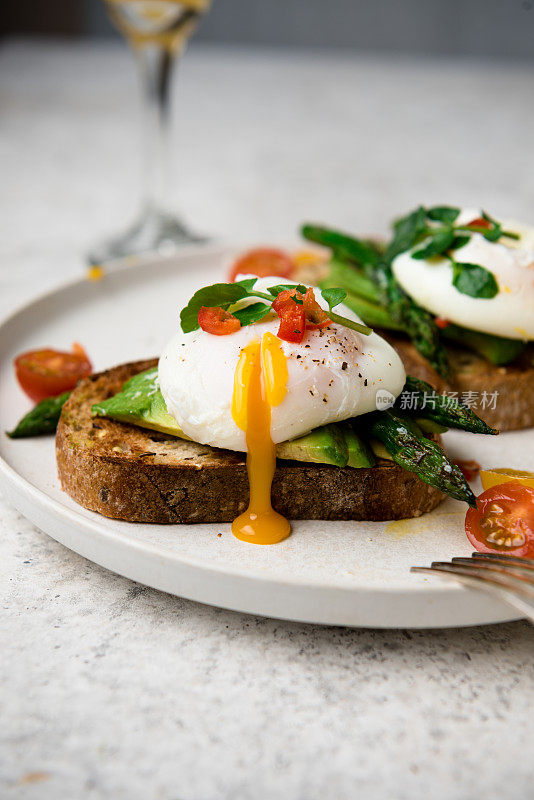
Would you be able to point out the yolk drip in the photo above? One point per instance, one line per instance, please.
(259, 383)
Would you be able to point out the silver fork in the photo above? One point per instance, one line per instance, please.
(509, 578)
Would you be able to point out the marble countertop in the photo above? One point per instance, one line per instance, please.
(112, 690)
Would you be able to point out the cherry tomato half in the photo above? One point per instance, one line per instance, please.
(47, 373)
(503, 521)
(263, 261)
(292, 317)
(480, 222)
(215, 320)
(316, 317)
(442, 323)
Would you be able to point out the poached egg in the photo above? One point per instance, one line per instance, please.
(509, 314)
(332, 375)
(249, 390)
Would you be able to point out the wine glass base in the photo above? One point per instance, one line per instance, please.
(155, 231)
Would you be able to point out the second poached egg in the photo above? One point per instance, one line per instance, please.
(510, 313)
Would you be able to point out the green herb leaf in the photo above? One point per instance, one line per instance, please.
(275, 290)
(252, 313)
(446, 214)
(247, 283)
(492, 234)
(474, 280)
(225, 295)
(459, 241)
(489, 219)
(407, 231)
(333, 296)
(219, 294)
(438, 245)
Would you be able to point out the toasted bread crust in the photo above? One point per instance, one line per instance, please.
(125, 472)
(502, 396)
(512, 387)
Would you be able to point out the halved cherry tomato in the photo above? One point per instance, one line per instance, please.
(442, 323)
(292, 325)
(316, 317)
(298, 312)
(292, 316)
(215, 320)
(263, 261)
(47, 373)
(503, 521)
(480, 222)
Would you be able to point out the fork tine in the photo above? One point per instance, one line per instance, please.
(523, 604)
(498, 564)
(508, 559)
(505, 581)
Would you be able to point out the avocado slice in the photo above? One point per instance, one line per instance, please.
(379, 450)
(140, 403)
(325, 445)
(496, 349)
(360, 454)
(430, 426)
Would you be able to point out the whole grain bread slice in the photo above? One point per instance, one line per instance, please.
(502, 396)
(125, 472)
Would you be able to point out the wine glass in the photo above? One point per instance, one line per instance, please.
(158, 31)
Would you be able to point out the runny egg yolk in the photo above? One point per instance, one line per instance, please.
(259, 383)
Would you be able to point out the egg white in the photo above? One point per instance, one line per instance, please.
(510, 313)
(334, 374)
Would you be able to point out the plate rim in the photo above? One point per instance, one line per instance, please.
(19, 484)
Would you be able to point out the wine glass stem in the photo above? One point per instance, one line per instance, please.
(155, 64)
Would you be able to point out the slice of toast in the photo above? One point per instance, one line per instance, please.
(125, 472)
(502, 396)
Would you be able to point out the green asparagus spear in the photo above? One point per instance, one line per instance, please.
(42, 419)
(352, 278)
(418, 323)
(420, 326)
(405, 442)
(344, 246)
(422, 398)
(374, 315)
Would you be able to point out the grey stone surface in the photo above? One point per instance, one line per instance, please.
(112, 690)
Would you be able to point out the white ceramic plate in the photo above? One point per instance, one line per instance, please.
(336, 573)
